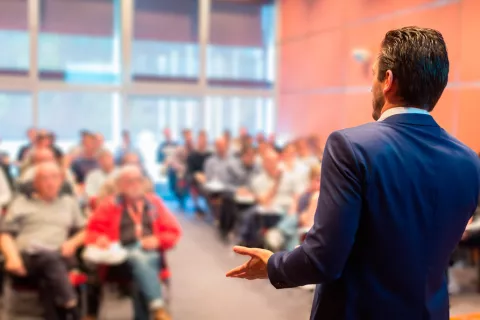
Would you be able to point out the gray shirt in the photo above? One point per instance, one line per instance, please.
(38, 224)
(216, 169)
(238, 175)
(288, 189)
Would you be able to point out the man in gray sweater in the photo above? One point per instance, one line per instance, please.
(35, 238)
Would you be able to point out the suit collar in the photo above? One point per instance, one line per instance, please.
(401, 110)
(412, 118)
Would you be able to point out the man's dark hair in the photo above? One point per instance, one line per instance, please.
(246, 149)
(418, 59)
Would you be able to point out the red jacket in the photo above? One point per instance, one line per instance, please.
(105, 221)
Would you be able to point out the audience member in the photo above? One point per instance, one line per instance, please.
(35, 157)
(35, 239)
(97, 177)
(126, 147)
(5, 191)
(177, 168)
(100, 141)
(195, 164)
(260, 138)
(238, 194)
(305, 154)
(272, 141)
(52, 144)
(167, 147)
(240, 171)
(142, 225)
(32, 136)
(286, 235)
(276, 192)
(215, 168)
(293, 165)
(315, 144)
(87, 160)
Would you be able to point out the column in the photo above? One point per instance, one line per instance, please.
(33, 28)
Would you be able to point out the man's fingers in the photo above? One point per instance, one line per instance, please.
(238, 270)
(244, 251)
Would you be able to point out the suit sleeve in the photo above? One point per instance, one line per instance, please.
(322, 256)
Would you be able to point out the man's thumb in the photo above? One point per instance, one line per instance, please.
(244, 251)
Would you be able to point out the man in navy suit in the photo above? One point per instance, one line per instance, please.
(395, 198)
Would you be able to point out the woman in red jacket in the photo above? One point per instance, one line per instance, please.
(142, 224)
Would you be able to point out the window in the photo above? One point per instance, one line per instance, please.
(165, 40)
(66, 113)
(14, 37)
(13, 104)
(255, 114)
(241, 42)
(152, 114)
(77, 42)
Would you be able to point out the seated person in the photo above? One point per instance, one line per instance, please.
(87, 160)
(5, 191)
(143, 226)
(96, 178)
(35, 156)
(305, 154)
(240, 172)
(291, 163)
(286, 234)
(215, 168)
(214, 178)
(166, 148)
(35, 238)
(276, 192)
(195, 164)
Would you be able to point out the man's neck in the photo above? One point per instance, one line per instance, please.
(45, 199)
(389, 106)
(134, 201)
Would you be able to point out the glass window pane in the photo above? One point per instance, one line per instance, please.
(241, 42)
(77, 42)
(13, 104)
(152, 114)
(165, 41)
(232, 113)
(14, 37)
(90, 111)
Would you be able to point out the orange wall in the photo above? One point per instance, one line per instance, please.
(322, 88)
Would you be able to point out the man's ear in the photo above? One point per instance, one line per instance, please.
(388, 82)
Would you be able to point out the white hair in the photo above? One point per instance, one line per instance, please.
(127, 169)
(45, 167)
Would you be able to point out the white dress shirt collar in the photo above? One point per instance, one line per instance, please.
(401, 110)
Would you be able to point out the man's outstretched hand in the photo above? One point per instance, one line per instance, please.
(255, 268)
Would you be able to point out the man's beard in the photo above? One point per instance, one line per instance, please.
(378, 102)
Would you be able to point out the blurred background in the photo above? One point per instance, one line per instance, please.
(139, 74)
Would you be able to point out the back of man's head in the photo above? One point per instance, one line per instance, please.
(418, 60)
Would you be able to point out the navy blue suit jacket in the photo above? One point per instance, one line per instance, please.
(394, 201)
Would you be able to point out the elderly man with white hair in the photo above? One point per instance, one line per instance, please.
(35, 238)
(139, 222)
